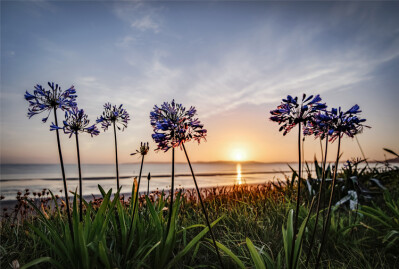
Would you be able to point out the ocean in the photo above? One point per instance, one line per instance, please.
(35, 177)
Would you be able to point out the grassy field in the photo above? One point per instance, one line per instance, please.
(248, 220)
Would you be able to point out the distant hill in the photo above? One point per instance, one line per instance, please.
(227, 162)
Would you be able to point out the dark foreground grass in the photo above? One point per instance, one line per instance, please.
(257, 212)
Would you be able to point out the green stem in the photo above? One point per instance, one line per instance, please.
(323, 178)
(306, 224)
(203, 208)
(80, 180)
(148, 184)
(116, 159)
(361, 150)
(63, 175)
(172, 189)
(298, 196)
(325, 228)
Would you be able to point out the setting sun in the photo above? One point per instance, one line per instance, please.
(239, 155)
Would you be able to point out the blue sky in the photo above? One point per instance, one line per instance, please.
(234, 61)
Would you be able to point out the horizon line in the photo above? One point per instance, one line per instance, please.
(199, 162)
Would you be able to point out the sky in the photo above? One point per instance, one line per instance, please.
(233, 61)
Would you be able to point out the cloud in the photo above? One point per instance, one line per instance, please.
(261, 68)
(146, 23)
(140, 16)
(125, 42)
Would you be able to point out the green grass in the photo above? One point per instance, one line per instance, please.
(249, 231)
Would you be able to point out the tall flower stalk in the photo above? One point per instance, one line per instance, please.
(43, 100)
(118, 118)
(342, 123)
(289, 114)
(148, 184)
(76, 121)
(143, 150)
(320, 125)
(174, 126)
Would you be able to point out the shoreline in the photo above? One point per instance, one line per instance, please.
(159, 176)
(10, 204)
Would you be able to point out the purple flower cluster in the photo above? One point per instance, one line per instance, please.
(76, 121)
(291, 112)
(45, 100)
(113, 114)
(143, 150)
(319, 125)
(346, 123)
(316, 119)
(174, 125)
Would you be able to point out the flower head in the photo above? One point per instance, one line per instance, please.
(174, 125)
(45, 100)
(143, 150)
(346, 123)
(291, 112)
(76, 121)
(320, 124)
(113, 114)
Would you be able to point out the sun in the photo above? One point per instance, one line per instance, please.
(238, 155)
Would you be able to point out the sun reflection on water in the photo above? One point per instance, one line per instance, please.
(239, 177)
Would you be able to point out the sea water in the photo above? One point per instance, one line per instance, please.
(36, 177)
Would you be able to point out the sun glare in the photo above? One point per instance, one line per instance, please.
(239, 155)
(239, 176)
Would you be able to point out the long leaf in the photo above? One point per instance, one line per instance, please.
(41, 260)
(256, 258)
(391, 151)
(191, 244)
(239, 263)
(103, 255)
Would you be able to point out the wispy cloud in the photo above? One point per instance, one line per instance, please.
(140, 16)
(125, 42)
(146, 23)
(293, 63)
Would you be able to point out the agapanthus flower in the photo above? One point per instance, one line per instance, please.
(346, 123)
(143, 150)
(291, 112)
(174, 125)
(76, 121)
(113, 114)
(320, 124)
(45, 100)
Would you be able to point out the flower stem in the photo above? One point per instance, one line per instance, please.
(136, 198)
(203, 208)
(63, 175)
(323, 178)
(321, 150)
(306, 225)
(172, 189)
(80, 180)
(325, 228)
(148, 185)
(298, 196)
(361, 150)
(116, 159)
